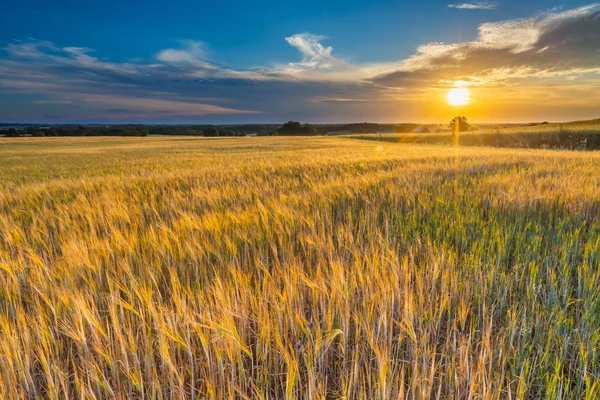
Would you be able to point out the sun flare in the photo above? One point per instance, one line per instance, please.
(458, 97)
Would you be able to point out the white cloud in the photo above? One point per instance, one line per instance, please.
(475, 6)
(315, 54)
(46, 52)
(28, 49)
(193, 52)
(319, 64)
(316, 58)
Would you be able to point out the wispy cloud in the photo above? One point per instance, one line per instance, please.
(75, 76)
(337, 100)
(192, 51)
(482, 5)
(315, 54)
(317, 63)
(175, 107)
(52, 102)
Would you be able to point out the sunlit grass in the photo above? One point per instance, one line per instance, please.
(297, 268)
(572, 136)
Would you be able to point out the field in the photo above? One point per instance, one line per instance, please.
(268, 268)
(581, 135)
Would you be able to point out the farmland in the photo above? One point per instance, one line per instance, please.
(322, 267)
(582, 135)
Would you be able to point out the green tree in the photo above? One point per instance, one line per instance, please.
(12, 132)
(463, 124)
(225, 132)
(51, 132)
(141, 131)
(294, 128)
(310, 129)
(210, 132)
(82, 130)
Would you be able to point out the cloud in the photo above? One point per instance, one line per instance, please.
(337, 100)
(315, 54)
(30, 49)
(317, 61)
(555, 47)
(42, 68)
(193, 52)
(175, 107)
(484, 5)
(550, 45)
(52, 102)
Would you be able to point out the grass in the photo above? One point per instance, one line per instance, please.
(265, 268)
(584, 135)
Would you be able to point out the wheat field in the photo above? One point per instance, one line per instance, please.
(582, 136)
(284, 268)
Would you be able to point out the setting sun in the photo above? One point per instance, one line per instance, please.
(458, 96)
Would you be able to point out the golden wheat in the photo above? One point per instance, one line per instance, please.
(265, 268)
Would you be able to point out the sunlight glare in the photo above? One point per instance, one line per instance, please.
(458, 97)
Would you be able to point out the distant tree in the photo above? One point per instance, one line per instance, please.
(463, 124)
(272, 132)
(12, 132)
(82, 130)
(38, 133)
(51, 132)
(121, 132)
(290, 127)
(210, 132)
(141, 131)
(226, 132)
(310, 129)
(295, 128)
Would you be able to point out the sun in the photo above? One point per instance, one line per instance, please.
(458, 96)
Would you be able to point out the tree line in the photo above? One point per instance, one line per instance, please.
(290, 128)
(76, 131)
(213, 131)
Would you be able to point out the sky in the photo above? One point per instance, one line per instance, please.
(266, 61)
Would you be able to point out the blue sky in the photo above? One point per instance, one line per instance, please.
(270, 61)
